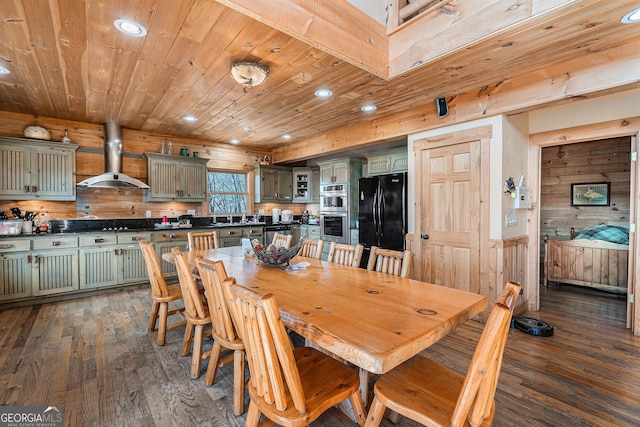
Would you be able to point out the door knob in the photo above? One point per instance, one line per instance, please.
(424, 236)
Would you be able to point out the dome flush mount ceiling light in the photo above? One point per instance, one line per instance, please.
(368, 108)
(130, 28)
(287, 136)
(249, 74)
(631, 17)
(189, 118)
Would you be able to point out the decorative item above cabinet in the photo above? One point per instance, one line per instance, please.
(37, 170)
(176, 178)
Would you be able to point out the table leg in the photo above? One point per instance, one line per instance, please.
(364, 386)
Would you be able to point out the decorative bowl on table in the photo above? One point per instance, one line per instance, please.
(275, 256)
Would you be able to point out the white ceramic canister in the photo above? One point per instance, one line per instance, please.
(287, 216)
(275, 215)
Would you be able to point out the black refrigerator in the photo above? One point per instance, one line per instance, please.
(382, 212)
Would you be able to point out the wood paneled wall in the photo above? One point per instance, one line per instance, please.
(508, 262)
(118, 202)
(607, 160)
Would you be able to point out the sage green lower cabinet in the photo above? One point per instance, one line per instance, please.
(38, 266)
(164, 241)
(110, 259)
(253, 233)
(98, 260)
(15, 269)
(230, 236)
(54, 265)
(132, 268)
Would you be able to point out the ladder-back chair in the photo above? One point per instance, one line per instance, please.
(161, 294)
(203, 240)
(282, 240)
(397, 263)
(311, 249)
(196, 313)
(340, 253)
(223, 330)
(429, 393)
(291, 387)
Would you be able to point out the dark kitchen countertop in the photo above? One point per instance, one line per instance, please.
(83, 226)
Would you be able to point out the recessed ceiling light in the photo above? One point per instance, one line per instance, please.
(189, 118)
(323, 93)
(130, 27)
(234, 141)
(368, 108)
(631, 17)
(287, 136)
(247, 128)
(4, 70)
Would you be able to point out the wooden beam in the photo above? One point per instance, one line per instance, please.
(458, 26)
(337, 28)
(598, 74)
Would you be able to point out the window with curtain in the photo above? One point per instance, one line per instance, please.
(227, 192)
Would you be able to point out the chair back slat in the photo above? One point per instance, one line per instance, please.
(274, 373)
(340, 253)
(212, 274)
(156, 279)
(193, 304)
(475, 401)
(282, 240)
(397, 263)
(311, 249)
(203, 240)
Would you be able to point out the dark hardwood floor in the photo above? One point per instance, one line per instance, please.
(94, 357)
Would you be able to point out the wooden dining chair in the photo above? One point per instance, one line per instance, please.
(311, 248)
(223, 330)
(196, 313)
(429, 393)
(291, 387)
(397, 263)
(161, 295)
(203, 240)
(340, 253)
(282, 240)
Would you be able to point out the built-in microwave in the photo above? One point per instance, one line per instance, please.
(334, 198)
(334, 228)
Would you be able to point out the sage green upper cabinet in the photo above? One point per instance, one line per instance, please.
(37, 170)
(390, 161)
(315, 187)
(306, 185)
(340, 171)
(176, 178)
(273, 184)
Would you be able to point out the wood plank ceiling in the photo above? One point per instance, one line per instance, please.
(68, 61)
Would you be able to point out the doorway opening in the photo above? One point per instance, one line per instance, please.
(578, 250)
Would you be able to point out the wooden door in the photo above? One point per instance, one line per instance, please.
(448, 214)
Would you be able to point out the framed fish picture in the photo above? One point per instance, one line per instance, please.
(591, 194)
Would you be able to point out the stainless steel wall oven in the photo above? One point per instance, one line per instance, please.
(334, 198)
(334, 227)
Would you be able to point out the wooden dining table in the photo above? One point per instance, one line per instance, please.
(374, 320)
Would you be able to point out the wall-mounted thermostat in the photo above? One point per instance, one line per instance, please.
(522, 198)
